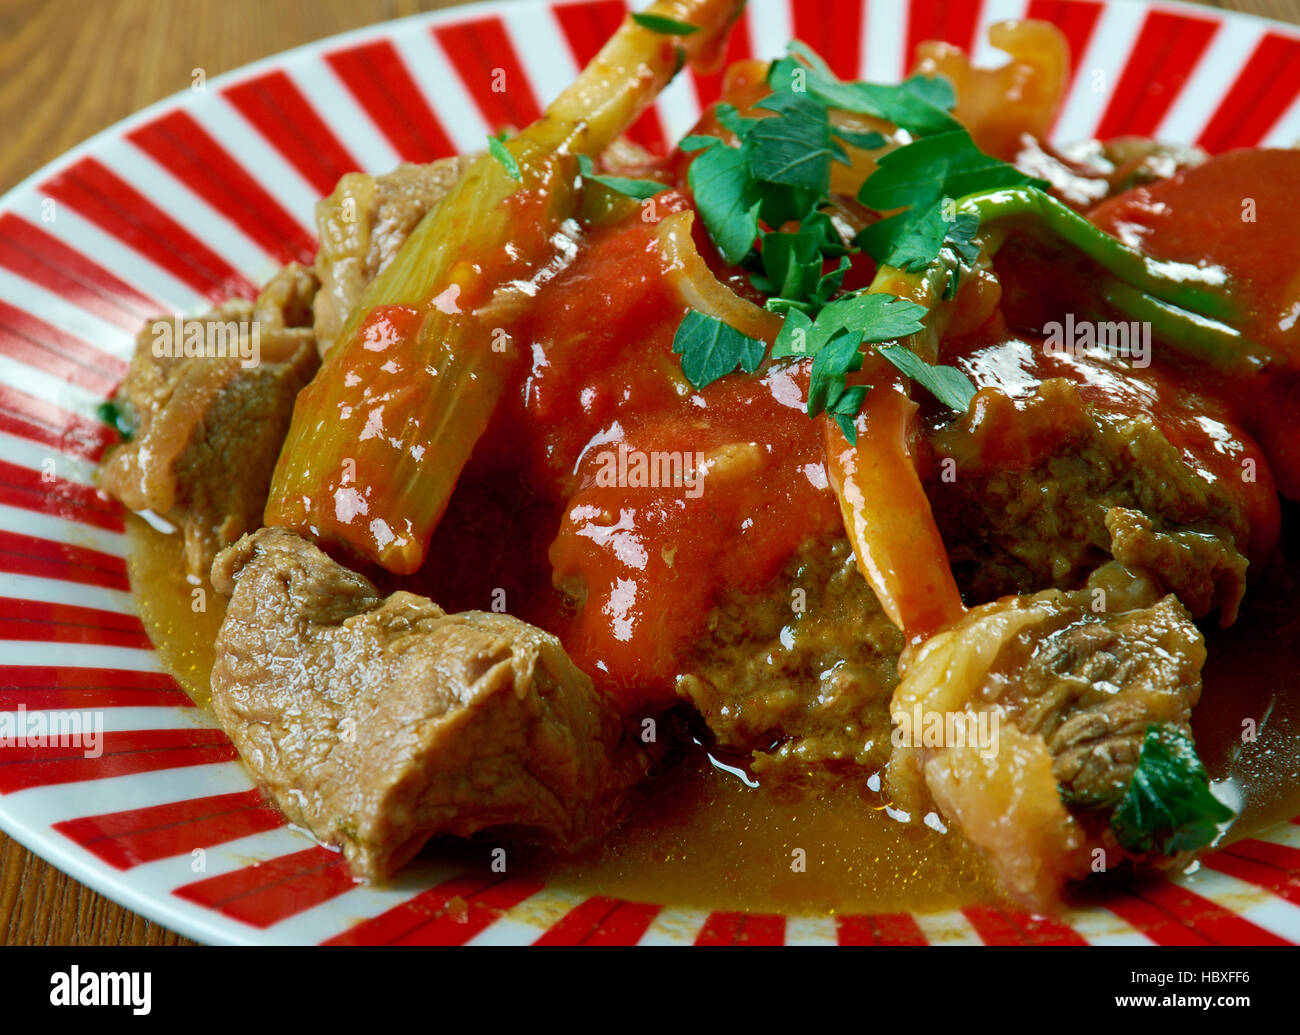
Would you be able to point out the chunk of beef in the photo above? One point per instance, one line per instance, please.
(1067, 685)
(361, 227)
(1091, 687)
(380, 723)
(1047, 490)
(799, 676)
(208, 428)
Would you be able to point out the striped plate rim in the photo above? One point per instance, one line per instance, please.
(204, 194)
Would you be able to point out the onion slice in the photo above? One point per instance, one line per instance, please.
(691, 277)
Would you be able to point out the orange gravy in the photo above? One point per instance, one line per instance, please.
(698, 836)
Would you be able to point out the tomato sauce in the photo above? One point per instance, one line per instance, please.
(1200, 425)
(557, 521)
(1236, 213)
(649, 495)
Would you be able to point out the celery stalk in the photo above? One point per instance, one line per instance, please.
(380, 436)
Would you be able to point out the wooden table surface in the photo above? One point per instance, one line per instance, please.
(68, 68)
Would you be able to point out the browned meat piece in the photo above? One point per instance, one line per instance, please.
(1062, 695)
(799, 676)
(380, 723)
(361, 227)
(1107, 486)
(1092, 687)
(208, 428)
(1199, 561)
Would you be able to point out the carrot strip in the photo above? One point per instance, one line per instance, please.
(886, 512)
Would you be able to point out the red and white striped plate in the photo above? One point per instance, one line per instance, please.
(204, 195)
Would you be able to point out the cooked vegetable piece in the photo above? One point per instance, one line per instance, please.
(886, 512)
(690, 275)
(380, 437)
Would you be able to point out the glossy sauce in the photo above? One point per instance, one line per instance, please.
(637, 567)
(698, 835)
(604, 407)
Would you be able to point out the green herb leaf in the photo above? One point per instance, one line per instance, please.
(710, 349)
(1168, 807)
(834, 340)
(794, 146)
(819, 223)
(874, 317)
(503, 155)
(733, 122)
(726, 199)
(845, 411)
(113, 414)
(829, 284)
(666, 26)
(697, 142)
(912, 243)
(872, 141)
(792, 341)
(792, 263)
(781, 203)
(947, 384)
(780, 174)
(911, 105)
(921, 178)
(947, 165)
(915, 243)
(936, 90)
(633, 188)
(840, 356)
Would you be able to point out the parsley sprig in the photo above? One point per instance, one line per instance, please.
(497, 148)
(633, 188)
(922, 181)
(663, 25)
(1168, 806)
(764, 201)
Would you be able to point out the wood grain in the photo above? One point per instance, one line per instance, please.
(69, 68)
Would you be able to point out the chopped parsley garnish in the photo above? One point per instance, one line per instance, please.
(499, 151)
(711, 349)
(923, 178)
(112, 414)
(726, 197)
(793, 147)
(918, 105)
(947, 384)
(666, 26)
(633, 188)
(1168, 807)
(764, 200)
